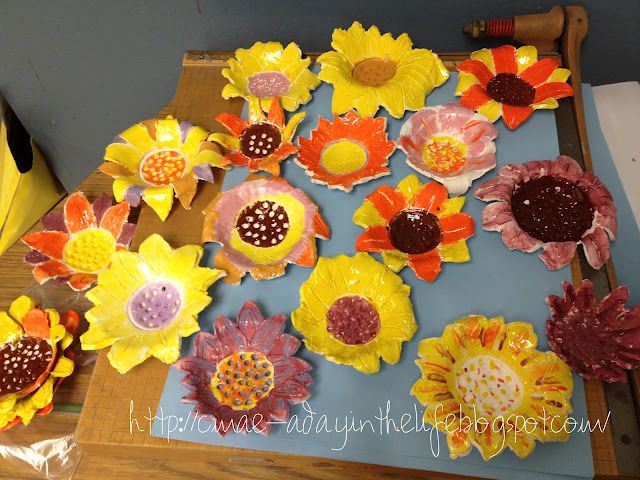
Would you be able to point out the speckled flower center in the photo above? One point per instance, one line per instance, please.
(489, 384)
(268, 84)
(260, 139)
(22, 362)
(162, 167)
(353, 320)
(343, 157)
(242, 380)
(89, 250)
(552, 209)
(155, 305)
(263, 224)
(374, 71)
(444, 154)
(510, 89)
(414, 231)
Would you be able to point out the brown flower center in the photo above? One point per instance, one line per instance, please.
(510, 89)
(552, 209)
(374, 71)
(263, 224)
(242, 380)
(260, 139)
(353, 320)
(22, 363)
(414, 230)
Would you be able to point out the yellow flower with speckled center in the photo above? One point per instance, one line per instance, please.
(484, 384)
(369, 70)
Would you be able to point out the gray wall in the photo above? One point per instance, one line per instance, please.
(79, 72)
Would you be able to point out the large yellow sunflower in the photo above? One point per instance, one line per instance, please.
(485, 385)
(146, 301)
(369, 70)
(354, 310)
(155, 158)
(267, 70)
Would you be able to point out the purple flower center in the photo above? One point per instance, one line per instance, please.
(155, 305)
(414, 231)
(353, 320)
(268, 84)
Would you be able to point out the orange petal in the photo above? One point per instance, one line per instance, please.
(50, 269)
(238, 159)
(115, 170)
(78, 213)
(456, 227)
(114, 218)
(476, 68)
(320, 227)
(552, 90)
(504, 59)
(71, 321)
(309, 256)
(374, 239)
(387, 201)
(430, 197)
(49, 243)
(426, 265)
(82, 281)
(474, 97)
(276, 114)
(233, 123)
(514, 116)
(540, 71)
(234, 274)
(36, 323)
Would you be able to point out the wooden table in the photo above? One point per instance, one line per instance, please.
(116, 448)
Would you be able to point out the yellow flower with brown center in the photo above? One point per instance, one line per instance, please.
(369, 70)
(484, 384)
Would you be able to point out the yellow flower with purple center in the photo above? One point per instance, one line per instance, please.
(484, 384)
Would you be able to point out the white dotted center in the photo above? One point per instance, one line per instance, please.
(489, 384)
(263, 224)
(22, 363)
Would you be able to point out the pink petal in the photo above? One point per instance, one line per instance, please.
(496, 215)
(556, 255)
(285, 345)
(287, 368)
(101, 205)
(565, 167)
(612, 307)
(538, 168)
(248, 319)
(487, 160)
(267, 332)
(228, 334)
(128, 229)
(54, 221)
(292, 390)
(498, 188)
(210, 348)
(596, 247)
(517, 239)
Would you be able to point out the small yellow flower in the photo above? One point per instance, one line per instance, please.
(355, 310)
(485, 385)
(267, 70)
(369, 70)
(146, 301)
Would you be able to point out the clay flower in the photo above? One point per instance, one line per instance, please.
(153, 159)
(34, 359)
(75, 246)
(369, 70)
(551, 204)
(449, 143)
(146, 301)
(511, 83)
(262, 225)
(245, 375)
(266, 70)
(354, 310)
(259, 143)
(415, 225)
(483, 380)
(596, 338)
(349, 151)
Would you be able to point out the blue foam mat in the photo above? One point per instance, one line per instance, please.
(496, 282)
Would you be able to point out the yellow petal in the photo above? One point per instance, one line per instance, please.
(409, 186)
(492, 110)
(121, 184)
(290, 128)
(192, 143)
(455, 252)
(210, 157)
(549, 103)
(138, 136)
(9, 329)
(165, 344)
(20, 307)
(125, 155)
(465, 82)
(227, 141)
(450, 206)
(485, 56)
(155, 252)
(526, 56)
(559, 75)
(394, 260)
(128, 352)
(63, 367)
(367, 215)
(160, 199)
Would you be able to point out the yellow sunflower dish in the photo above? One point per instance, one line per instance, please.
(354, 310)
(369, 70)
(146, 301)
(155, 158)
(267, 70)
(485, 385)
